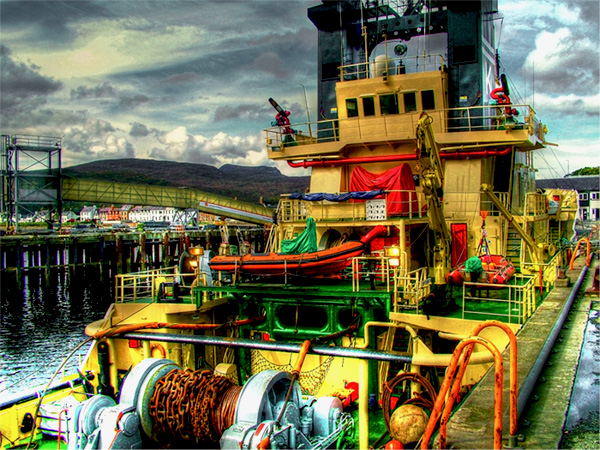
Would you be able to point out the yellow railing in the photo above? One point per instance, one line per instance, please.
(536, 204)
(154, 285)
(469, 119)
(414, 287)
(296, 210)
(391, 66)
(547, 272)
(519, 299)
(366, 267)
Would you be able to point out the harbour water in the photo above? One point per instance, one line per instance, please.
(43, 320)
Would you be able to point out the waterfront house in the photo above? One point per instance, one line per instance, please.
(88, 214)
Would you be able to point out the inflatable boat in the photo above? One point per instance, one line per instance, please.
(320, 263)
(499, 270)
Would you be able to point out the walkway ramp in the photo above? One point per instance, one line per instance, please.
(95, 191)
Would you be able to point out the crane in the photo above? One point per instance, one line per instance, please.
(431, 177)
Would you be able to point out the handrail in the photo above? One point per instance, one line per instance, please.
(514, 375)
(469, 118)
(392, 66)
(588, 258)
(441, 398)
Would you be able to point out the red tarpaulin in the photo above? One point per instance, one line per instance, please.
(400, 178)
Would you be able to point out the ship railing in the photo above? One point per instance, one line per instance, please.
(513, 303)
(388, 126)
(374, 268)
(536, 203)
(547, 273)
(155, 285)
(408, 204)
(383, 66)
(411, 288)
(489, 118)
(463, 203)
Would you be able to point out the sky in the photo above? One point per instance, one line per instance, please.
(189, 81)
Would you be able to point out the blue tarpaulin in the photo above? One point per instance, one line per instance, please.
(345, 196)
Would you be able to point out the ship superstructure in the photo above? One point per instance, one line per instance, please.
(420, 161)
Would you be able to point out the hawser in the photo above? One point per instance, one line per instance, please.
(378, 350)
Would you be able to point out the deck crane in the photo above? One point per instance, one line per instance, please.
(431, 177)
(537, 252)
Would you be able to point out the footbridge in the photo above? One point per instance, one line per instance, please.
(95, 191)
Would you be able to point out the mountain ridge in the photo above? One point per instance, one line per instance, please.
(251, 182)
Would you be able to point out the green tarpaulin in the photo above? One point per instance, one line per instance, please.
(473, 264)
(306, 242)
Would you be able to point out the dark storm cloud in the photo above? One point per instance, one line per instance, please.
(49, 22)
(24, 89)
(589, 11)
(138, 130)
(242, 112)
(129, 102)
(102, 90)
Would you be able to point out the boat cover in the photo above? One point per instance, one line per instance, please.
(306, 242)
(399, 180)
(345, 196)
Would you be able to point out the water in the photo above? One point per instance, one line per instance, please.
(42, 322)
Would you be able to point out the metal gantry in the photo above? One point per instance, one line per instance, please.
(31, 178)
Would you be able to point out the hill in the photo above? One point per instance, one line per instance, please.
(241, 182)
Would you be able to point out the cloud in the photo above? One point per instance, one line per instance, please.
(24, 89)
(95, 139)
(102, 90)
(180, 145)
(568, 104)
(140, 130)
(242, 112)
(560, 56)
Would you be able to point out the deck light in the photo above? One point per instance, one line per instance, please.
(393, 255)
(196, 251)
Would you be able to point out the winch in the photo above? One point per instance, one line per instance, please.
(160, 402)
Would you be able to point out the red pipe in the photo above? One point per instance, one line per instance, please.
(402, 157)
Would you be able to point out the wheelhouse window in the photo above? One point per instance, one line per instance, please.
(427, 100)
(388, 104)
(368, 106)
(352, 107)
(410, 102)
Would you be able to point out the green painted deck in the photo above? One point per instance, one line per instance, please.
(471, 426)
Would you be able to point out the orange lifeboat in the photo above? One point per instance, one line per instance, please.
(322, 263)
(499, 269)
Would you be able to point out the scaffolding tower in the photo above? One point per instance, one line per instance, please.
(31, 179)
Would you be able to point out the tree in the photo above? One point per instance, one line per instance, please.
(585, 171)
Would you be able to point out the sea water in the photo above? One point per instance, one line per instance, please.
(42, 320)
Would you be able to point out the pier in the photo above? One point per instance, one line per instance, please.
(112, 252)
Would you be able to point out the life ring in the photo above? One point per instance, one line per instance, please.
(160, 348)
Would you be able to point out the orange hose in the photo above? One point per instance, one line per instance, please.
(301, 355)
(130, 327)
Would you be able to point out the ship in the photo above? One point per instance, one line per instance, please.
(420, 159)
